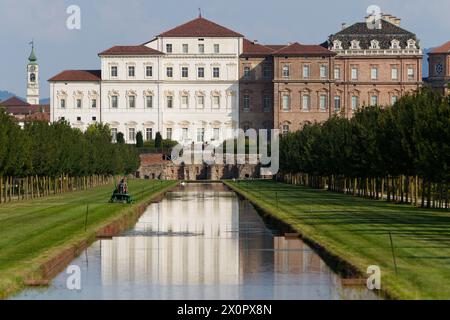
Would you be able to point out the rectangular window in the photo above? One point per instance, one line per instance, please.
(114, 134)
(78, 103)
(306, 102)
(185, 48)
(216, 134)
(201, 48)
(354, 73)
(285, 129)
(200, 135)
(216, 102)
(246, 103)
(337, 103)
(394, 100)
(285, 71)
(63, 103)
(184, 72)
(169, 72)
(169, 133)
(78, 118)
(216, 72)
(114, 71)
(266, 103)
(285, 102)
(184, 102)
(94, 118)
(149, 71)
(337, 73)
(132, 134)
(394, 73)
(323, 102)
(169, 48)
(200, 102)
(114, 102)
(149, 134)
(247, 72)
(374, 100)
(131, 71)
(410, 73)
(216, 48)
(266, 72)
(201, 72)
(149, 102)
(94, 103)
(306, 69)
(323, 71)
(374, 73)
(185, 133)
(132, 102)
(169, 102)
(355, 102)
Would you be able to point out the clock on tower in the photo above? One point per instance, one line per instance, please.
(32, 78)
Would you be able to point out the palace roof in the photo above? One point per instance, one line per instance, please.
(200, 27)
(297, 49)
(78, 75)
(253, 49)
(130, 50)
(360, 32)
(445, 48)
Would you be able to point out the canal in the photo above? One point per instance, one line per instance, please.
(200, 242)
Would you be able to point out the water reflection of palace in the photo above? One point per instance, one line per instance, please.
(206, 236)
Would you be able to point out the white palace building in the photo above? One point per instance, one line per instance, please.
(184, 84)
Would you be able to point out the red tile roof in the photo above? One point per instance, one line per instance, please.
(200, 27)
(276, 46)
(254, 49)
(14, 102)
(297, 49)
(78, 75)
(445, 48)
(129, 50)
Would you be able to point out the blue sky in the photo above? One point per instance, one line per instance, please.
(121, 22)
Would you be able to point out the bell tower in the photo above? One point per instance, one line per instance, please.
(32, 78)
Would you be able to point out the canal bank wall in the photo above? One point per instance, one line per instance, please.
(60, 257)
(349, 272)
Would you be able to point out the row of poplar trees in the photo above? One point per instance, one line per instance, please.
(42, 158)
(400, 153)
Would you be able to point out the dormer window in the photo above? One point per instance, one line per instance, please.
(355, 45)
(412, 44)
(374, 44)
(337, 45)
(395, 44)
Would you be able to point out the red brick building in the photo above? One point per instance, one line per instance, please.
(439, 68)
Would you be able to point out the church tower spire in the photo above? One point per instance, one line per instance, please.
(32, 77)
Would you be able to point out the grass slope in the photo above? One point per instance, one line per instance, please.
(357, 231)
(35, 230)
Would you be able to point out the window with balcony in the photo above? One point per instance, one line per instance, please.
(114, 102)
(131, 102)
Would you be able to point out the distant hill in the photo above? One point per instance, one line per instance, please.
(4, 95)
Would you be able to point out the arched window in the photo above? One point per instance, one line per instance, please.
(33, 77)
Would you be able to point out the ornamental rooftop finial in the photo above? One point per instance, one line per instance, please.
(32, 58)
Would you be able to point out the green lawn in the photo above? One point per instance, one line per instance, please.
(35, 230)
(357, 230)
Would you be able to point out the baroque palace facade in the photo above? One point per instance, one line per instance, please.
(195, 81)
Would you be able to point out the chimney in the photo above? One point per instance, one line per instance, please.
(391, 19)
(344, 25)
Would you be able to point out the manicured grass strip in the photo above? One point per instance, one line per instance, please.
(357, 231)
(33, 231)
